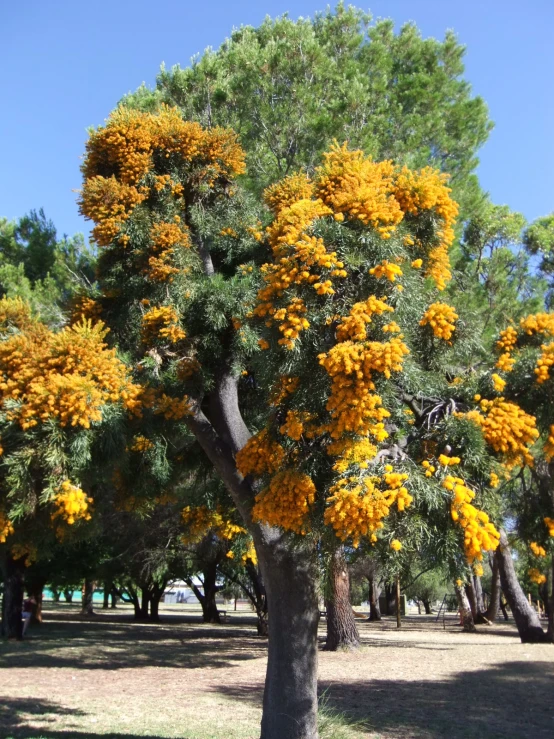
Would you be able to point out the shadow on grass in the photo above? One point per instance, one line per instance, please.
(123, 645)
(508, 701)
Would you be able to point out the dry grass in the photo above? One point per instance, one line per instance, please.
(109, 677)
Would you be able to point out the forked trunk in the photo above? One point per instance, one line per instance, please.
(290, 695)
(374, 592)
(526, 618)
(475, 598)
(466, 617)
(342, 632)
(494, 604)
(12, 602)
(68, 596)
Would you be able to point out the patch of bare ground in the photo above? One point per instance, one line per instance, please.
(111, 677)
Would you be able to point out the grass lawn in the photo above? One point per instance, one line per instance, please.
(109, 677)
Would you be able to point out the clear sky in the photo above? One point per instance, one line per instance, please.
(65, 64)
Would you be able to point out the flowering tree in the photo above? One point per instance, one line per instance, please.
(327, 324)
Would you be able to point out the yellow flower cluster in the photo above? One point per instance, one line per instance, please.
(286, 501)
(67, 375)
(448, 461)
(161, 323)
(165, 239)
(198, 521)
(84, 307)
(260, 455)
(172, 409)
(353, 185)
(287, 191)
(507, 429)
(294, 425)
(545, 362)
(549, 525)
(6, 527)
(349, 452)
(479, 533)
(15, 313)
(430, 469)
(441, 318)
(354, 325)
(250, 554)
(357, 508)
(141, 444)
(386, 269)
(28, 552)
(498, 383)
(284, 387)
(72, 503)
(396, 545)
(507, 340)
(494, 480)
(123, 152)
(537, 550)
(538, 323)
(536, 576)
(427, 190)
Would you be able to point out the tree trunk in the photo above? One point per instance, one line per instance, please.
(290, 696)
(466, 616)
(210, 611)
(479, 602)
(526, 618)
(503, 602)
(427, 606)
(86, 598)
(68, 596)
(398, 614)
(113, 597)
(144, 603)
(390, 599)
(342, 632)
(494, 604)
(260, 598)
(34, 590)
(155, 598)
(475, 599)
(374, 610)
(55, 595)
(12, 602)
(550, 632)
(106, 594)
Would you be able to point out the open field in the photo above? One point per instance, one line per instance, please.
(109, 677)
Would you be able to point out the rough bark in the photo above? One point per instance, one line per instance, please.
(466, 616)
(494, 603)
(290, 575)
(86, 598)
(374, 592)
(12, 603)
(475, 598)
(342, 632)
(526, 618)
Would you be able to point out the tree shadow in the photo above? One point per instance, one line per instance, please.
(507, 701)
(113, 646)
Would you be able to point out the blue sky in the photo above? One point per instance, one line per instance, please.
(64, 65)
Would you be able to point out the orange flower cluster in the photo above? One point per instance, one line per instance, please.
(538, 323)
(284, 387)
(351, 452)
(386, 269)
(172, 409)
(441, 318)
(260, 455)
(353, 326)
(133, 144)
(199, 520)
(479, 533)
(549, 525)
(72, 503)
(15, 313)
(549, 446)
(357, 508)
(498, 383)
(536, 576)
(287, 191)
(69, 375)
(354, 186)
(545, 362)
(6, 527)
(85, 308)
(166, 238)
(294, 425)
(507, 429)
(286, 501)
(537, 550)
(161, 323)
(141, 444)
(427, 190)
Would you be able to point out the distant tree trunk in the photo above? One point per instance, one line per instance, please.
(12, 602)
(503, 602)
(55, 595)
(87, 593)
(466, 616)
(106, 599)
(34, 589)
(113, 597)
(135, 600)
(210, 614)
(427, 606)
(68, 596)
(543, 594)
(551, 604)
(398, 613)
(526, 618)
(494, 604)
(374, 610)
(475, 598)
(155, 597)
(390, 599)
(260, 598)
(144, 602)
(342, 632)
(479, 602)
